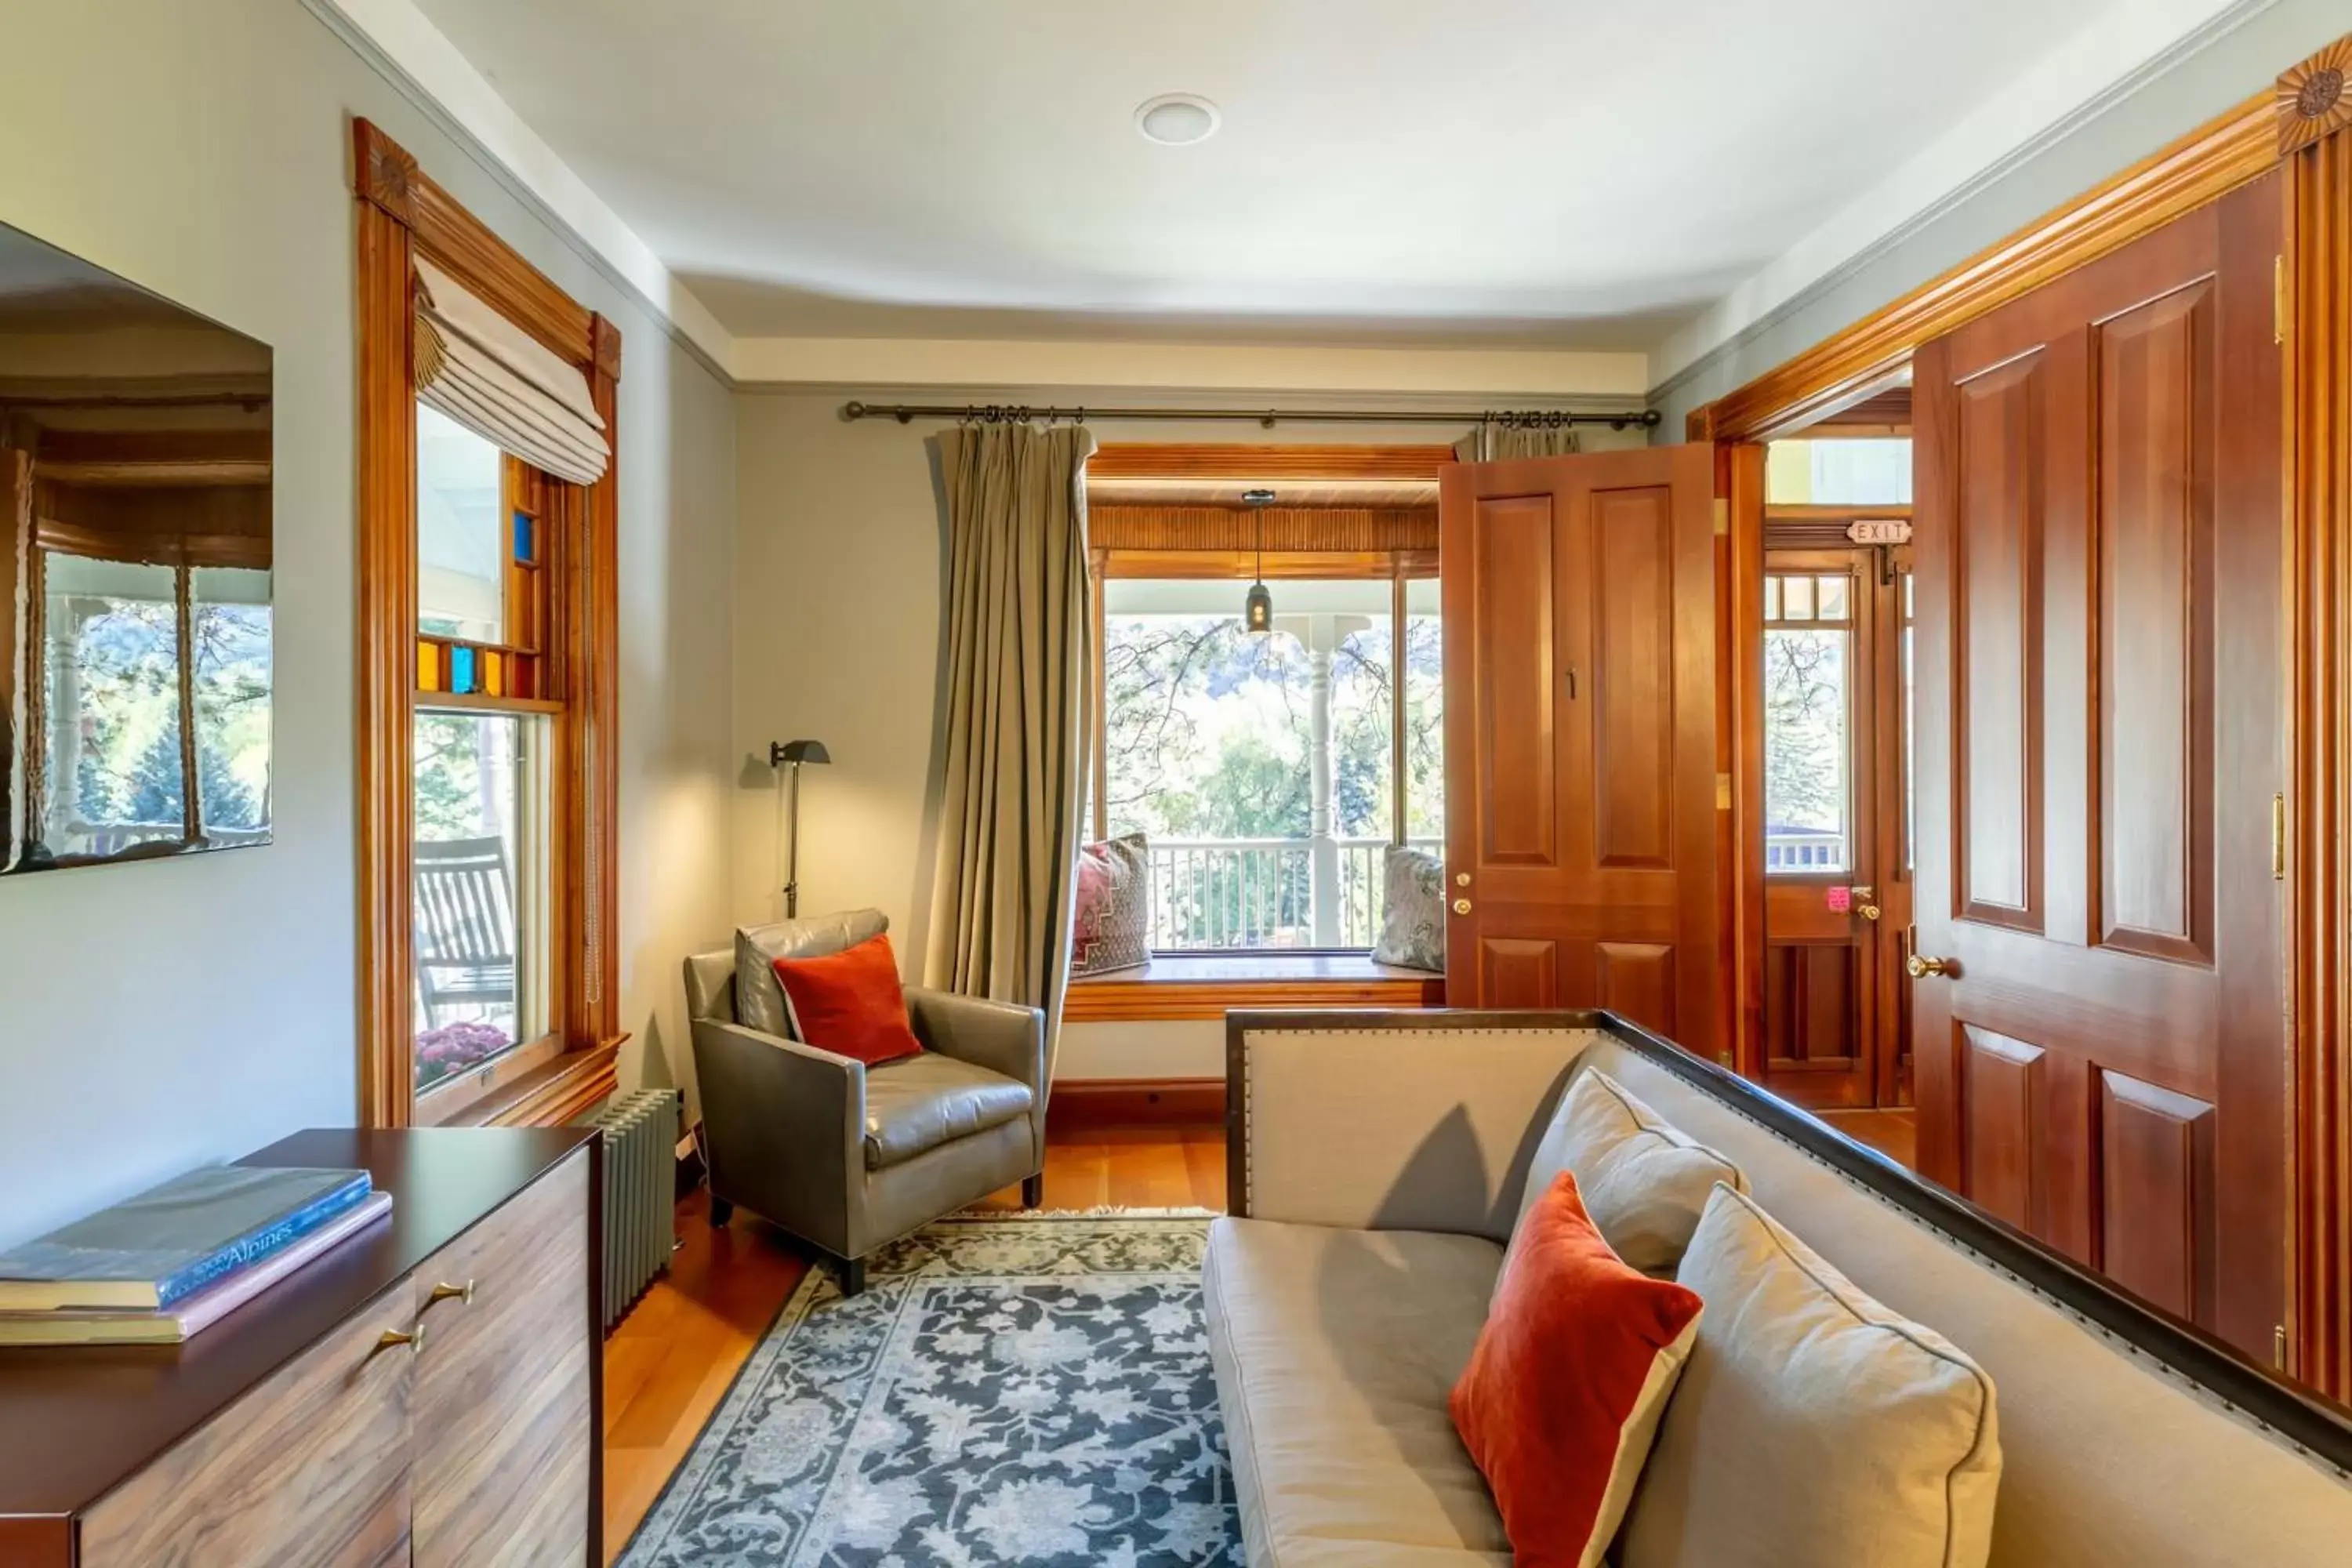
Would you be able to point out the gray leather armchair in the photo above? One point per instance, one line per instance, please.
(846, 1156)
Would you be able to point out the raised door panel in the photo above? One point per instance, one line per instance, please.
(2004, 1148)
(505, 1441)
(2157, 1171)
(2154, 392)
(1514, 632)
(1518, 971)
(310, 1470)
(1996, 555)
(1632, 681)
(1635, 979)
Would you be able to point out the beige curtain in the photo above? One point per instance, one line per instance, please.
(1497, 438)
(1018, 634)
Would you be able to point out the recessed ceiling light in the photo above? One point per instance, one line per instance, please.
(1177, 119)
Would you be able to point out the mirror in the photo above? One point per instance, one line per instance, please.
(135, 611)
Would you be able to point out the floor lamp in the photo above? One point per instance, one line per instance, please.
(794, 755)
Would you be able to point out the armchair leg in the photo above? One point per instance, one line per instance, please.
(721, 1211)
(1033, 1190)
(852, 1277)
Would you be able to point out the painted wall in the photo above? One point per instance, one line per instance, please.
(155, 1017)
(838, 632)
(2205, 84)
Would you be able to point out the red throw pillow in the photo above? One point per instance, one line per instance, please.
(849, 1003)
(1561, 1399)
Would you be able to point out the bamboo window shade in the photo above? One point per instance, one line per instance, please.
(1335, 529)
(494, 379)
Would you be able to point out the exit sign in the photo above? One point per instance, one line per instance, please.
(1879, 530)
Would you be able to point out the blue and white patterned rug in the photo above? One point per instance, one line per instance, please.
(1030, 1389)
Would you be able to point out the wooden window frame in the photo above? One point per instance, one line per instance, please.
(403, 215)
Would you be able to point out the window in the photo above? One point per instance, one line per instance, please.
(1808, 722)
(1264, 767)
(134, 753)
(487, 524)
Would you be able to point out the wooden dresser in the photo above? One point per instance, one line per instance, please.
(429, 1393)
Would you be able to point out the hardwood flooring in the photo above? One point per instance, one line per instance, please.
(675, 1356)
(1893, 1134)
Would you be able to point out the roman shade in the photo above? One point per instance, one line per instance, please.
(498, 381)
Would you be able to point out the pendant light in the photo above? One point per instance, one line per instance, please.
(1257, 610)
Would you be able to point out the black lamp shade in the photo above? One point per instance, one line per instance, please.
(1257, 610)
(782, 752)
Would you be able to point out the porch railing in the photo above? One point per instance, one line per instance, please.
(1211, 895)
(1804, 850)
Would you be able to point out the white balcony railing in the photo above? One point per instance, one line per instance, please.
(1802, 850)
(1211, 895)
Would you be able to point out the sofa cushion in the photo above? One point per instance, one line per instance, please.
(849, 1003)
(1561, 1399)
(1643, 1182)
(1413, 911)
(1111, 928)
(1336, 1352)
(759, 997)
(1812, 1423)
(918, 1102)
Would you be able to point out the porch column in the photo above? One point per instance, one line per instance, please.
(1322, 848)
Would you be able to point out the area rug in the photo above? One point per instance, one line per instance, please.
(1016, 1388)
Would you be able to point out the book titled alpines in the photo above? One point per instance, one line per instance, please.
(173, 1240)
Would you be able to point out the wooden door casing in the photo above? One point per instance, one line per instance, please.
(1580, 736)
(2099, 740)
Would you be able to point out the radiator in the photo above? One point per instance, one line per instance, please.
(641, 1131)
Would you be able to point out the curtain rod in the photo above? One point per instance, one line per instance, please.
(1020, 414)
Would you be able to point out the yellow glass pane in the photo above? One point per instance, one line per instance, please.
(428, 666)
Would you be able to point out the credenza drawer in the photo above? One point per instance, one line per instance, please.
(504, 1439)
(310, 1470)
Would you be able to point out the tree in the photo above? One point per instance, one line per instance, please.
(1804, 724)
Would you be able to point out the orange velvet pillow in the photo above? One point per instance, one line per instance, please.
(849, 1003)
(1561, 1399)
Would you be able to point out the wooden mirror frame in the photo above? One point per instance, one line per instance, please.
(404, 215)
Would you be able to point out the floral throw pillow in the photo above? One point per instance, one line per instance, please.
(1412, 917)
(1114, 921)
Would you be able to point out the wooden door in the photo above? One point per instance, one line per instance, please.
(2100, 1060)
(1822, 977)
(506, 1437)
(1580, 737)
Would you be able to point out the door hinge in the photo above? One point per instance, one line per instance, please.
(2278, 299)
(2278, 1347)
(1723, 791)
(2278, 838)
(1722, 515)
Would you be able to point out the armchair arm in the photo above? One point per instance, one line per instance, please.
(1002, 1037)
(1390, 1121)
(784, 1123)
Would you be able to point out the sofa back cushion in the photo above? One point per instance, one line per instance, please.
(1812, 1425)
(1644, 1182)
(758, 998)
(1561, 1399)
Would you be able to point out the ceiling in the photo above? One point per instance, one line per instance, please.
(1540, 173)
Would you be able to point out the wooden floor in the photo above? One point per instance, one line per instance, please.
(675, 1356)
(1893, 1134)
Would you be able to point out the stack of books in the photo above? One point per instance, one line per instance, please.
(177, 1258)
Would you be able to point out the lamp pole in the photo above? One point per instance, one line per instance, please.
(792, 755)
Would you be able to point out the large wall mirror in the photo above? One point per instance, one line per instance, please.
(135, 582)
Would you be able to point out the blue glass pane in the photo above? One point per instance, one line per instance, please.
(461, 669)
(523, 543)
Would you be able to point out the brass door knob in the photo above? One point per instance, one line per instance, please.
(1461, 906)
(1921, 966)
(1868, 911)
(1461, 879)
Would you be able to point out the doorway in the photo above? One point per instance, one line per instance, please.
(1836, 687)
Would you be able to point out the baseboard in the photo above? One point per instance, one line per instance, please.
(1086, 1104)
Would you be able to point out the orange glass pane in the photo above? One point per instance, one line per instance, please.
(428, 666)
(494, 674)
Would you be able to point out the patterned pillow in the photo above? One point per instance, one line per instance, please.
(1412, 916)
(1114, 924)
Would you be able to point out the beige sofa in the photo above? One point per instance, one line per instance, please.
(1377, 1162)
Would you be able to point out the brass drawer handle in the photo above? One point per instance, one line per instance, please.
(444, 1291)
(414, 1339)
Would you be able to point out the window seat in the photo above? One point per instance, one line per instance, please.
(1206, 985)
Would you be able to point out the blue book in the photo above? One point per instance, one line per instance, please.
(171, 1241)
